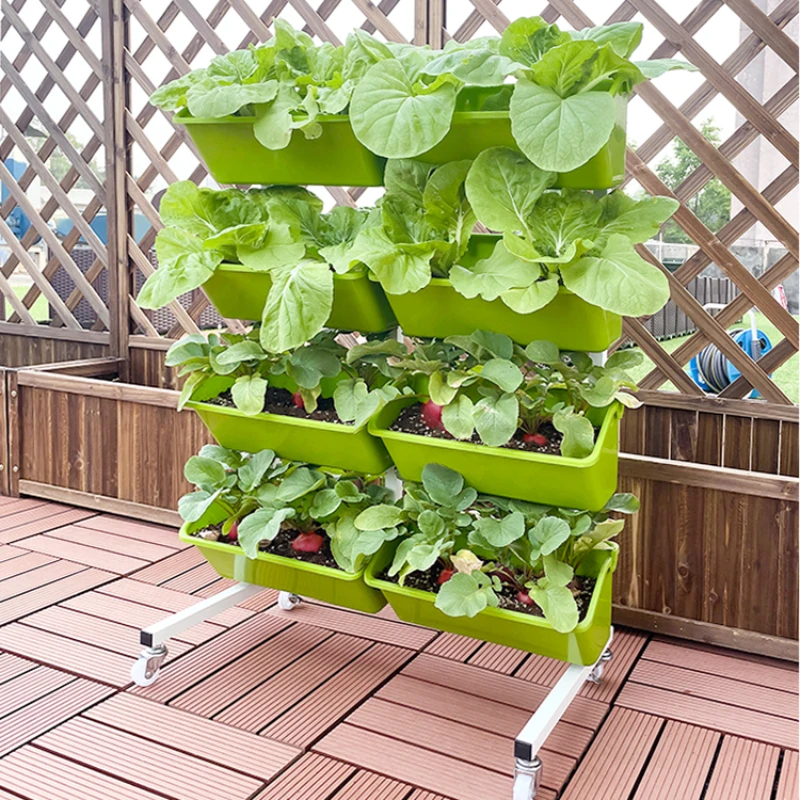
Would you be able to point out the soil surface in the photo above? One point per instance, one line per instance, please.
(428, 582)
(410, 421)
(279, 401)
(281, 545)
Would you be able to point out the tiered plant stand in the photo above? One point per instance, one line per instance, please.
(530, 740)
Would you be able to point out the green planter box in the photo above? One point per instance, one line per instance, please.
(439, 310)
(474, 130)
(346, 589)
(328, 444)
(359, 304)
(510, 628)
(548, 479)
(234, 155)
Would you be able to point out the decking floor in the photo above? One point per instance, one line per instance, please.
(325, 704)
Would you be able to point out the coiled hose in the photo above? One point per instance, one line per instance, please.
(712, 365)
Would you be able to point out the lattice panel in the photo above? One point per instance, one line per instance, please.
(690, 36)
(51, 127)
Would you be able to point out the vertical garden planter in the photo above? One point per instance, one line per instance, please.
(346, 589)
(539, 478)
(359, 304)
(439, 310)
(295, 439)
(510, 628)
(234, 155)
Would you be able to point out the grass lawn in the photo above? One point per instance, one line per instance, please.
(786, 376)
(39, 311)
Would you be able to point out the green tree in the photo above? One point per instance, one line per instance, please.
(712, 204)
(58, 164)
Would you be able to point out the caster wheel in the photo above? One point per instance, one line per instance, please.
(524, 787)
(287, 601)
(146, 668)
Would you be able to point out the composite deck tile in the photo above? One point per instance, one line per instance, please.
(240, 751)
(714, 687)
(84, 554)
(788, 782)
(774, 674)
(680, 764)
(310, 718)
(178, 775)
(500, 688)
(451, 645)
(39, 716)
(368, 627)
(267, 701)
(23, 563)
(440, 735)
(170, 567)
(745, 770)
(212, 657)
(500, 718)
(36, 774)
(409, 763)
(67, 654)
(8, 551)
(143, 531)
(611, 767)
(497, 657)
(11, 666)
(224, 687)
(313, 777)
(719, 716)
(72, 582)
(102, 540)
(21, 582)
(20, 526)
(193, 580)
(30, 686)
(369, 786)
(169, 600)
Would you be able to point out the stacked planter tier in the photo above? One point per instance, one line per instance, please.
(336, 158)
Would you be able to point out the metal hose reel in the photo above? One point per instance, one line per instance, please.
(712, 371)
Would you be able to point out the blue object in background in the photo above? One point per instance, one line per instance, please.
(16, 220)
(100, 226)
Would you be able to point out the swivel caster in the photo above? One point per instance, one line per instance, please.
(287, 601)
(527, 777)
(597, 672)
(145, 669)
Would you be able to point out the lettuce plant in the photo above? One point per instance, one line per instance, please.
(261, 495)
(497, 388)
(423, 227)
(280, 230)
(569, 238)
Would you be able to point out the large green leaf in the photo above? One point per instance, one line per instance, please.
(299, 483)
(192, 506)
(656, 67)
(477, 67)
(262, 525)
(248, 393)
(279, 248)
(298, 305)
(492, 276)
(211, 99)
(561, 68)
(638, 220)
(396, 117)
(557, 604)
(556, 133)
(496, 418)
(205, 472)
(578, 432)
(503, 187)
(379, 517)
(466, 595)
(527, 39)
(618, 280)
(501, 532)
(458, 417)
(624, 37)
(399, 268)
(502, 373)
(442, 483)
(533, 297)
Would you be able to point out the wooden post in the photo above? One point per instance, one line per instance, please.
(13, 429)
(115, 100)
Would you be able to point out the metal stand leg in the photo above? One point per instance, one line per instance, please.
(145, 669)
(528, 766)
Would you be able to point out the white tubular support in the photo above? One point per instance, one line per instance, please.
(533, 736)
(157, 634)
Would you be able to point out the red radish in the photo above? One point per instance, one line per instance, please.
(297, 399)
(233, 533)
(535, 438)
(432, 415)
(524, 598)
(308, 543)
(445, 576)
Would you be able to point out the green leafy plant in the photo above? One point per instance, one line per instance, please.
(422, 226)
(497, 388)
(568, 238)
(261, 495)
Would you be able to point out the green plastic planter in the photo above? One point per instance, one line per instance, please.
(359, 304)
(234, 155)
(439, 310)
(510, 628)
(539, 478)
(294, 439)
(346, 589)
(474, 130)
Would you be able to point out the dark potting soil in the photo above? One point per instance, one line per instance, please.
(410, 421)
(279, 401)
(429, 582)
(281, 545)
